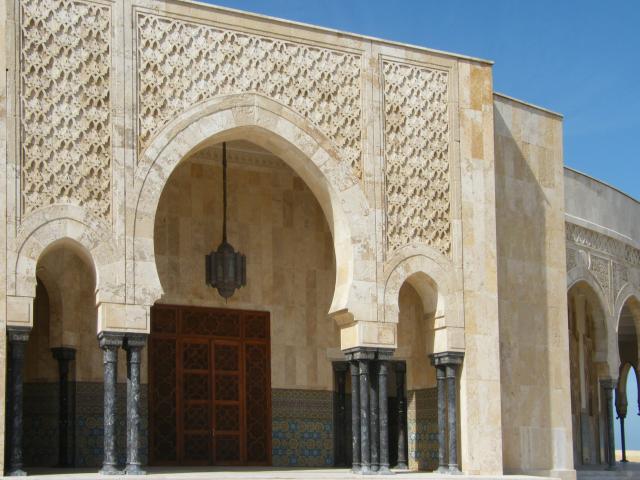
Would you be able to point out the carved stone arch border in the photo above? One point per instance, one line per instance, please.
(299, 144)
(94, 247)
(421, 259)
(607, 326)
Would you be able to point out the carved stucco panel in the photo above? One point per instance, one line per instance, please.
(417, 171)
(182, 63)
(65, 60)
(613, 263)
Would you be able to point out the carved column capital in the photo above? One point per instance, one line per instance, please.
(369, 353)
(446, 359)
(110, 340)
(18, 334)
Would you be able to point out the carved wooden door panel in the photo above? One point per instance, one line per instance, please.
(228, 421)
(210, 387)
(194, 403)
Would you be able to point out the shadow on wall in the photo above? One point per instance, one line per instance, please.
(522, 211)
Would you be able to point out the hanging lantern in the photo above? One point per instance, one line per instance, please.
(226, 269)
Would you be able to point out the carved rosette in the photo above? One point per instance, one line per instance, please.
(181, 63)
(65, 60)
(416, 135)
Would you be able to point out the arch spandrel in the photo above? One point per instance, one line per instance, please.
(299, 144)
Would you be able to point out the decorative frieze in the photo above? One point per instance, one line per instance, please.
(613, 263)
(182, 63)
(65, 82)
(417, 172)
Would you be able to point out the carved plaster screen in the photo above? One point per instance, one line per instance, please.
(416, 136)
(65, 105)
(182, 63)
(210, 387)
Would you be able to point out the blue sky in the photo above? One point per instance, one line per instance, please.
(579, 58)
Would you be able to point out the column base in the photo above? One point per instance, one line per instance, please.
(384, 470)
(16, 472)
(611, 468)
(355, 468)
(134, 469)
(442, 470)
(366, 470)
(110, 470)
(401, 466)
(454, 470)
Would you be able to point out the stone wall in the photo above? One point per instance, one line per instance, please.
(534, 366)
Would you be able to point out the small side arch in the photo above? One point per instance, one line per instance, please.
(80, 237)
(430, 274)
(607, 345)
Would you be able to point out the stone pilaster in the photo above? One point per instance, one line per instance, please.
(110, 343)
(401, 398)
(18, 338)
(447, 365)
(66, 454)
(609, 386)
(133, 344)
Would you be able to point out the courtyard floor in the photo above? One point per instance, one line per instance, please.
(248, 473)
(629, 470)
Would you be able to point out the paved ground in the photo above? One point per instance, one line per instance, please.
(248, 473)
(629, 470)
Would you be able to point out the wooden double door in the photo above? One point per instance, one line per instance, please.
(209, 387)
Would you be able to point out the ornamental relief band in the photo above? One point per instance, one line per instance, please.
(182, 63)
(416, 135)
(65, 59)
(612, 263)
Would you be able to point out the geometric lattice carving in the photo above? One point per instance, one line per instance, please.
(226, 358)
(600, 269)
(65, 59)
(572, 259)
(182, 63)
(256, 360)
(163, 405)
(416, 137)
(623, 258)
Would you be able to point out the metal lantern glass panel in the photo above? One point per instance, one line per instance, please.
(226, 269)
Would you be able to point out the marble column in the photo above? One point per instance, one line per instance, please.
(133, 344)
(401, 398)
(447, 365)
(452, 417)
(110, 343)
(66, 454)
(609, 385)
(442, 420)
(355, 415)
(18, 338)
(365, 449)
(374, 416)
(621, 410)
(383, 366)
